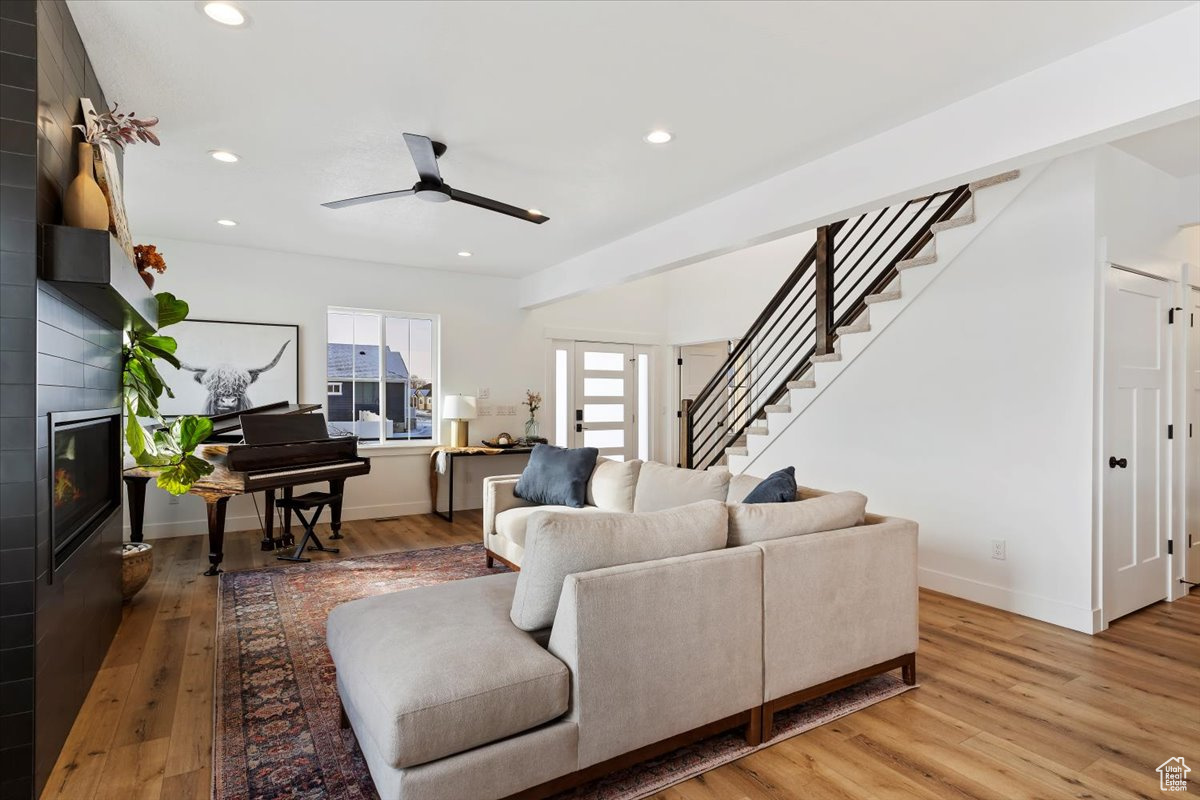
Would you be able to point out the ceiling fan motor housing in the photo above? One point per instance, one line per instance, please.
(432, 192)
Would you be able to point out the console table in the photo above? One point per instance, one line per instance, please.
(452, 454)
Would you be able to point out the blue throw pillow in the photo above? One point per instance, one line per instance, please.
(556, 476)
(778, 487)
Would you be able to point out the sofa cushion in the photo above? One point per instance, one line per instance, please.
(613, 484)
(558, 545)
(758, 522)
(557, 476)
(740, 486)
(512, 524)
(660, 486)
(414, 665)
(778, 487)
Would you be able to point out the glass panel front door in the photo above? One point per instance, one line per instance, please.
(605, 407)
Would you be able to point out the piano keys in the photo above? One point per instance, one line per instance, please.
(276, 447)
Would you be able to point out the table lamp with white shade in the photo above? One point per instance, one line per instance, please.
(458, 409)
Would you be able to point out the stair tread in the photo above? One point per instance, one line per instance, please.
(737, 451)
(918, 261)
(857, 327)
(957, 222)
(1003, 177)
(825, 358)
(778, 408)
(883, 297)
(809, 384)
(757, 430)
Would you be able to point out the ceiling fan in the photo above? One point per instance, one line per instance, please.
(425, 153)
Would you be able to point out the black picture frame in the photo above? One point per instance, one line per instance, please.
(194, 354)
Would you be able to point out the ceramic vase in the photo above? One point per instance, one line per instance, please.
(84, 205)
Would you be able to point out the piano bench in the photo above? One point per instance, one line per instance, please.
(315, 501)
(307, 500)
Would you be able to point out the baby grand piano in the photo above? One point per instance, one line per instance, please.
(264, 449)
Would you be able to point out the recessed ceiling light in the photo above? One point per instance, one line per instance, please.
(659, 137)
(225, 13)
(224, 155)
(464, 253)
(228, 223)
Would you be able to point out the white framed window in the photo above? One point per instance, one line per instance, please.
(384, 365)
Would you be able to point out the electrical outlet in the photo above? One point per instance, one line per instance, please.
(483, 394)
(998, 549)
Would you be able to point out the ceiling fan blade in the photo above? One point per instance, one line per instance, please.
(367, 198)
(496, 205)
(421, 148)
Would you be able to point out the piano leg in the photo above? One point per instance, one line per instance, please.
(285, 537)
(135, 490)
(216, 533)
(335, 508)
(268, 542)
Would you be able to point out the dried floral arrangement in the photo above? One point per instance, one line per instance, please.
(533, 400)
(148, 257)
(118, 128)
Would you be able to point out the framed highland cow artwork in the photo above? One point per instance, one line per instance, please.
(231, 366)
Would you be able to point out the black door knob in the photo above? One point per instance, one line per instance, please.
(1114, 462)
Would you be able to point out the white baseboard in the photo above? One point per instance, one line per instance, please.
(192, 527)
(1055, 612)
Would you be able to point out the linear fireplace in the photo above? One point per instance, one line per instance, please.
(85, 477)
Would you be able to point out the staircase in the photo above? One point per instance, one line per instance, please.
(858, 276)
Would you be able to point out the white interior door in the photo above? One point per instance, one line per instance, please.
(1137, 360)
(605, 399)
(1191, 478)
(700, 363)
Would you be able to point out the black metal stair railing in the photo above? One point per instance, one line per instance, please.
(850, 261)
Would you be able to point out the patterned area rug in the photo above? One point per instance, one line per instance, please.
(277, 733)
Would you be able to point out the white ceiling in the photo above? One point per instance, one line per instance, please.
(1175, 149)
(542, 105)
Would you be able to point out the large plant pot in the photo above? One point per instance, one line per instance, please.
(137, 562)
(84, 204)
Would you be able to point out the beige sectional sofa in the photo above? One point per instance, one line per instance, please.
(460, 690)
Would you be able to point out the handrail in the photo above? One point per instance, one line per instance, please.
(821, 294)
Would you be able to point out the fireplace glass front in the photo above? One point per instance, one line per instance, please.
(85, 476)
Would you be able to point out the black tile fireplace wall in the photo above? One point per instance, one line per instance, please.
(54, 356)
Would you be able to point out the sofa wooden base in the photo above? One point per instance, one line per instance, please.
(493, 557)
(751, 719)
(907, 664)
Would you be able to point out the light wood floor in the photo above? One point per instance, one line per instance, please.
(1007, 708)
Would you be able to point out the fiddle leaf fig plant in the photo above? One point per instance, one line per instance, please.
(168, 450)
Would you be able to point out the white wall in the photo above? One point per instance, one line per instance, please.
(1137, 214)
(972, 412)
(719, 298)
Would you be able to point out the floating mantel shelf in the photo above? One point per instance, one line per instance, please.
(91, 268)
